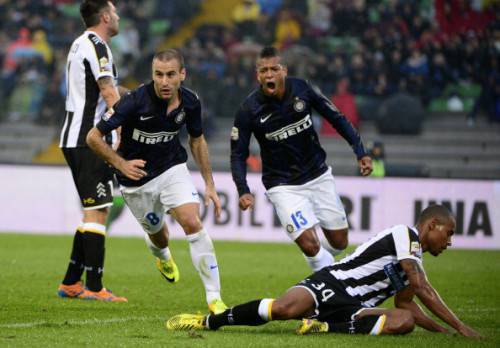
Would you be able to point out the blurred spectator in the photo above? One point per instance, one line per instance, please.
(245, 16)
(358, 75)
(18, 50)
(319, 17)
(377, 153)
(52, 105)
(41, 45)
(440, 75)
(346, 103)
(457, 16)
(287, 30)
(269, 7)
(127, 48)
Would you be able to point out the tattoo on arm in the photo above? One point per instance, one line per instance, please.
(414, 268)
(414, 272)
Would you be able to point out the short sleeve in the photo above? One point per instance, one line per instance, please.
(115, 117)
(99, 58)
(193, 120)
(407, 244)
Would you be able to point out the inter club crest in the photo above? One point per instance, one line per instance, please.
(299, 105)
(180, 117)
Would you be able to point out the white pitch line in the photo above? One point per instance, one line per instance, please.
(78, 322)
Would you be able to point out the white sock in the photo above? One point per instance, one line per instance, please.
(205, 262)
(162, 254)
(265, 308)
(325, 244)
(93, 227)
(322, 259)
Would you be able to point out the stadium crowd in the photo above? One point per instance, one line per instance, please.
(35, 37)
(349, 48)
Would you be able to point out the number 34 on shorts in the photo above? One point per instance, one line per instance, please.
(325, 292)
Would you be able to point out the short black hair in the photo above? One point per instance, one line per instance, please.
(438, 211)
(170, 54)
(269, 52)
(91, 9)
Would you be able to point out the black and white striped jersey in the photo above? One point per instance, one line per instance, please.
(89, 59)
(372, 273)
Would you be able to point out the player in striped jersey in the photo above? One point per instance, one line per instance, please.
(91, 89)
(342, 297)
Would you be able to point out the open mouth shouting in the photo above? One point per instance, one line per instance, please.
(269, 88)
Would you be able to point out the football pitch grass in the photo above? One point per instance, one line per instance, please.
(31, 314)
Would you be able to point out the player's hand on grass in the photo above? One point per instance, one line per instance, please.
(211, 194)
(133, 169)
(365, 165)
(246, 201)
(467, 331)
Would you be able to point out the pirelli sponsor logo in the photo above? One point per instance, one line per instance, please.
(153, 138)
(290, 130)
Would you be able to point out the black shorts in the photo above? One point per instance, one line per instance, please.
(333, 303)
(92, 176)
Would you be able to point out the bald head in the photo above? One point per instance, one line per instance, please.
(436, 225)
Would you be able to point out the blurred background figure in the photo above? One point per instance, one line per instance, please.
(345, 101)
(376, 151)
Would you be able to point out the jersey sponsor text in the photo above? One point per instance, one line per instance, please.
(291, 130)
(153, 138)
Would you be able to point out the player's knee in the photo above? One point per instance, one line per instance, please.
(191, 224)
(407, 323)
(403, 322)
(338, 239)
(308, 243)
(310, 248)
(282, 311)
(340, 244)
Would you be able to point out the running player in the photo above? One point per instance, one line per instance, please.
(299, 183)
(152, 171)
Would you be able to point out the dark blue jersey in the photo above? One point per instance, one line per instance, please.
(289, 146)
(149, 133)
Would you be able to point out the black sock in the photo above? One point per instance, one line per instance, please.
(360, 326)
(94, 259)
(244, 314)
(76, 262)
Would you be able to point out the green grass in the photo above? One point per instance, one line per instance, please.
(31, 314)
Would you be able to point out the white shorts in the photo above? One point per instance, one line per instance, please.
(300, 207)
(149, 202)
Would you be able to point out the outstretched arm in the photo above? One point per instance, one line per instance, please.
(199, 149)
(431, 299)
(131, 169)
(337, 119)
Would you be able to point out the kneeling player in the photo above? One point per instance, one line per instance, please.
(342, 297)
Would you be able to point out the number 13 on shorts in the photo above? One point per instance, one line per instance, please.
(298, 219)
